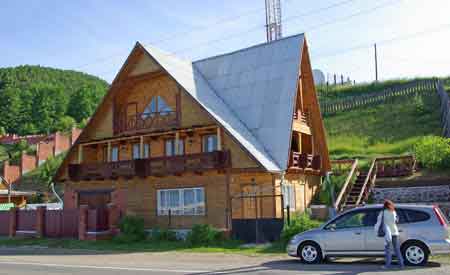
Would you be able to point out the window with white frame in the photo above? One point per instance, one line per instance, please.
(209, 143)
(115, 153)
(288, 192)
(136, 151)
(181, 202)
(170, 147)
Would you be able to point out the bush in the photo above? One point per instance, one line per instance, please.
(131, 229)
(204, 235)
(299, 223)
(163, 235)
(433, 152)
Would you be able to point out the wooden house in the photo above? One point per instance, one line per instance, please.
(232, 137)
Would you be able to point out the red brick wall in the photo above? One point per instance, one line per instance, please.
(62, 142)
(75, 134)
(11, 173)
(28, 163)
(44, 151)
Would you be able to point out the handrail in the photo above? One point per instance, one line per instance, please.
(346, 186)
(370, 175)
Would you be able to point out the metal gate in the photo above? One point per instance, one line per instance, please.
(256, 222)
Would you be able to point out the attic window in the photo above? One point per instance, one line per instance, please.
(157, 106)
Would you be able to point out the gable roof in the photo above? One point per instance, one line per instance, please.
(250, 92)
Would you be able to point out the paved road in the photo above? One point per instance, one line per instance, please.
(43, 261)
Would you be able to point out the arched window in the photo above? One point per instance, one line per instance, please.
(157, 106)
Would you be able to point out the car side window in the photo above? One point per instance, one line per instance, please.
(401, 216)
(371, 217)
(350, 220)
(416, 216)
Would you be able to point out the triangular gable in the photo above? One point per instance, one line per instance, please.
(187, 76)
(259, 84)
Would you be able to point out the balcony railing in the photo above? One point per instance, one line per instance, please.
(141, 121)
(305, 161)
(160, 166)
(302, 116)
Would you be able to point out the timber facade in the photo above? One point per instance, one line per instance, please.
(169, 144)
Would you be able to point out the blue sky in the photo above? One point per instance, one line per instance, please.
(95, 36)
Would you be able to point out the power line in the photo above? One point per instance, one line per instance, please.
(222, 21)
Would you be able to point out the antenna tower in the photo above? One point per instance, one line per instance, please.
(273, 20)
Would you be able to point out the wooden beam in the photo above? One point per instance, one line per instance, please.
(177, 139)
(219, 139)
(80, 154)
(109, 152)
(171, 132)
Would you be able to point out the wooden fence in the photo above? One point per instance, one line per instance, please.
(445, 109)
(376, 98)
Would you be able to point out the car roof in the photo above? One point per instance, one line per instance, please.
(402, 205)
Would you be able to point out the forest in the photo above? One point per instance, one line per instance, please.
(41, 100)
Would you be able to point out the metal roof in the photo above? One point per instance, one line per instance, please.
(250, 92)
(259, 84)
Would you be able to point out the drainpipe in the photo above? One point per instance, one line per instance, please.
(52, 185)
(332, 210)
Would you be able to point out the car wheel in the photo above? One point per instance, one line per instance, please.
(415, 254)
(310, 253)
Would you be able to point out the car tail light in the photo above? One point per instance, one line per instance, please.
(439, 216)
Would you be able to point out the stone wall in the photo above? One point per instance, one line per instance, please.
(439, 195)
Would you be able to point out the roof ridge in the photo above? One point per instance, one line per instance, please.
(248, 48)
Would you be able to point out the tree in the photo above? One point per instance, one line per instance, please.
(2, 131)
(65, 124)
(82, 104)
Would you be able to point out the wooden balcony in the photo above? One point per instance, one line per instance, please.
(145, 121)
(160, 166)
(303, 117)
(305, 161)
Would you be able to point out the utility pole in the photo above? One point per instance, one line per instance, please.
(376, 63)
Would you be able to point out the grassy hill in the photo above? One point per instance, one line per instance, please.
(386, 129)
(43, 100)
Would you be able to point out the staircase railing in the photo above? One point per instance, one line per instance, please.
(369, 182)
(347, 186)
(445, 109)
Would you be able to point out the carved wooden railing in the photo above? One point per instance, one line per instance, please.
(305, 161)
(397, 166)
(141, 121)
(369, 182)
(346, 188)
(159, 166)
(302, 116)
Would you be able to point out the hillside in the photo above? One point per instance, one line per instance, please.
(386, 129)
(42, 100)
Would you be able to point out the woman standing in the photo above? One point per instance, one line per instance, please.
(388, 219)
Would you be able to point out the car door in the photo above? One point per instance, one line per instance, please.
(373, 243)
(345, 233)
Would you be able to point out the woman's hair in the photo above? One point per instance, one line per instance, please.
(389, 205)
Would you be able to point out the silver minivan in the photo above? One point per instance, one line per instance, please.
(424, 231)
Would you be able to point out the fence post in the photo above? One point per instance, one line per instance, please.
(170, 218)
(113, 218)
(40, 221)
(12, 222)
(82, 222)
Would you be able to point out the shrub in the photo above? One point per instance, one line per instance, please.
(164, 235)
(299, 223)
(433, 152)
(131, 229)
(204, 235)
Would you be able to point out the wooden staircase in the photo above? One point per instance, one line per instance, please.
(359, 184)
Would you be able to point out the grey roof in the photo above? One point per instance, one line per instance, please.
(250, 92)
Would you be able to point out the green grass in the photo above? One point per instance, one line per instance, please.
(387, 129)
(144, 246)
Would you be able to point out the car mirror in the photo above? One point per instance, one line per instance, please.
(332, 227)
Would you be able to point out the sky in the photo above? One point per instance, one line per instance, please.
(95, 36)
